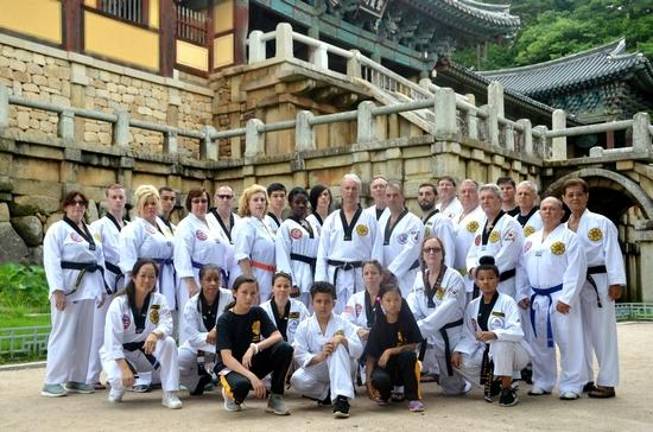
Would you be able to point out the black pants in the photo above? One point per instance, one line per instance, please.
(400, 370)
(275, 359)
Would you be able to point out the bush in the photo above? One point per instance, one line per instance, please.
(23, 289)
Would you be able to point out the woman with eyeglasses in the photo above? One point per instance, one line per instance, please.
(74, 265)
(197, 245)
(438, 303)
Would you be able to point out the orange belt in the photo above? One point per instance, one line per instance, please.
(262, 266)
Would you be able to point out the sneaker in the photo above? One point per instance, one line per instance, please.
(326, 401)
(397, 396)
(115, 396)
(53, 390)
(341, 407)
(99, 386)
(588, 387)
(230, 405)
(141, 388)
(527, 375)
(170, 400)
(276, 405)
(508, 398)
(415, 406)
(601, 392)
(569, 396)
(77, 387)
(536, 391)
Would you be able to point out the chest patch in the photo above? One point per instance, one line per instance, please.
(472, 226)
(126, 321)
(528, 230)
(75, 237)
(558, 248)
(296, 233)
(201, 235)
(494, 236)
(595, 234)
(362, 230)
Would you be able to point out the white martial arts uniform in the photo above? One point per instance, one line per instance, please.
(377, 215)
(509, 352)
(253, 240)
(335, 373)
(402, 244)
(504, 243)
(532, 224)
(316, 221)
(440, 317)
(296, 253)
(356, 310)
(141, 239)
(122, 339)
(605, 263)
(439, 225)
(549, 271)
(109, 231)
(297, 313)
(465, 230)
(453, 210)
(343, 249)
(72, 328)
(218, 227)
(167, 229)
(194, 333)
(272, 222)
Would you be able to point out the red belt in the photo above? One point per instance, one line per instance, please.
(262, 266)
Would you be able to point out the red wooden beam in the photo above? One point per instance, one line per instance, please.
(167, 42)
(72, 25)
(241, 28)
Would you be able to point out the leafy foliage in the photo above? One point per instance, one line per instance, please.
(23, 289)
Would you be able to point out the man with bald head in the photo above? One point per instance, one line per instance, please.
(550, 276)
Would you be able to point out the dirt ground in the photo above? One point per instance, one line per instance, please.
(23, 409)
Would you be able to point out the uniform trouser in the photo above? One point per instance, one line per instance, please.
(436, 362)
(568, 335)
(189, 375)
(600, 333)
(168, 371)
(401, 370)
(69, 343)
(95, 363)
(334, 373)
(275, 359)
(506, 356)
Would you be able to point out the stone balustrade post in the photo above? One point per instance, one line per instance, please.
(528, 136)
(471, 119)
(425, 83)
(284, 42)
(66, 126)
(495, 110)
(445, 127)
(509, 136)
(304, 132)
(641, 133)
(254, 140)
(4, 107)
(208, 148)
(559, 121)
(170, 143)
(542, 142)
(354, 65)
(121, 129)
(318, 57)
(365, 124)
(257, 51)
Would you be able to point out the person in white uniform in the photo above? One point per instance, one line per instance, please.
(276, 204)
(74, 265)
(326, 347)
(493, 344)
(198, 330)
(605, 278)
(438, 304)
(435, 222)
(254, 242)
(108, 228)
(402, 233)
(377, 192)
(296, 246)
(137, 337)
(222, 219)
(550, 276)
(360, 307)
(285, 313)
(507, 186)
(501, 237)
(349, 237)
(321, 200)
(448, 203)
(465, 229)
(167, 200)
(529, 214)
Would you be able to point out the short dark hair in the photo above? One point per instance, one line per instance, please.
(315, 193)
(389, 283)
(324, 288)
(431, 185)
(69, 199)
(487, 263)
(577, 181)
(207, 268)
(166, 189)
(449, 179)
(296, 191)
(195, 193)
(276, 187)
(505, 180)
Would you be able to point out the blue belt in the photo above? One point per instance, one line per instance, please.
(168, 262)
(223, 273)
(549, 328)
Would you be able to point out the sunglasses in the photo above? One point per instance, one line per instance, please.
(79, 203)
(225, 196)
(432, 250)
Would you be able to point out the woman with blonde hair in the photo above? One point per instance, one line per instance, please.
(254, 243)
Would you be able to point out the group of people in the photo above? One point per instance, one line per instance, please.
(474, 292)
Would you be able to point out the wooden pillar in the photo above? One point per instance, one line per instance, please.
(241, 29)
(210, 34)
(72, 25)
(167, 37)
(609, 139)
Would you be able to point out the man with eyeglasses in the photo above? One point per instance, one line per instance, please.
(221, 218)
(168, 198)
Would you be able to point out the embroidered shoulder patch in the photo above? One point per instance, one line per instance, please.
(494, 236)
(362, 230)
(154, 316)
(558, 248)
(595, 234)
(528, 230)
(472, 226)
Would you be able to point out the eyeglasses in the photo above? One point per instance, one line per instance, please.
(199, 200)
(79, 203)
(225, 196)
(432, 250)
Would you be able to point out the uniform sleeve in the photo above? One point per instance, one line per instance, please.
(410, 251)
(165, 318)
(52, 254)
(574, 276)
(191, 328)
(349, 313)
(468, 343)
(300, 344)
(512, 240)
(446, 312)
(223, 339)
(323, 248)
(412, 298)
(512, 331)
(522, 284)
(243, 236)
(353, 341)
(445, 232)
(614, 260)
(129, 243)
(183, 250)
(283, 245)
(267, 326)
(114, 331)
(377, 241)
(472, 254)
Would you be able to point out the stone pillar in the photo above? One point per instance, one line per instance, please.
(256, 47)
(354, 65)
(445, 127)
(644, 238)
(365, 128)
(170, 143)
(318, 57)
(559, 144)
(121, 129)
(471, 119)
(509, 132)
(528, 136)
(641, 133)
(304, 132)
(541, 149)
(495, 110)
(208, 148)
(425, 83)
(284, 42)
(4, 107)
(66, 127)
(254, 140)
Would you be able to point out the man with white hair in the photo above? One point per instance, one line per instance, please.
(529, 214)
(377, 191)
(501, 237)
(349, 237)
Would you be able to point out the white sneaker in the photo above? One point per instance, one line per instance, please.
(170, 400)
(569, 396)
(536, 391)
(230, 405)
(115, 396)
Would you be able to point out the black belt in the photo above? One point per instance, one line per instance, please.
(139, 346)
(84, 267)
(115, 270)
(447, 347)
(344, 266)
(487, 373)
(305, 259)
(508, 274)
(599, 269)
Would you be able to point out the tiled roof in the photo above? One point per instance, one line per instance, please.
(585, 69)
